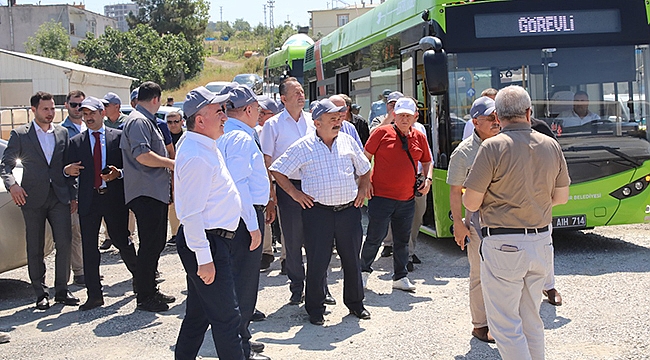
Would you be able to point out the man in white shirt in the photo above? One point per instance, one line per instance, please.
(280, 132)
(209, 207)
(240, 149)
(327, 162)
(580, 114)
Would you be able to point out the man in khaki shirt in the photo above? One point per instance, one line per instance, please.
(516, 179)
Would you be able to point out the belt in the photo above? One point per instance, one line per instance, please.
(102, 190)
(486, 231)
(221, 232)
(335, 208)
(260, 207)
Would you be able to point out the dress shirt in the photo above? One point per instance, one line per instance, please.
(102, 139)
(327, 175)
(570, 118)
(205, 195)
(245, 162)
(46, 139)
(81, 128)
(348, 128)
(280, 131)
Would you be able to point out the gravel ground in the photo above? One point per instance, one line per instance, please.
(603, 275)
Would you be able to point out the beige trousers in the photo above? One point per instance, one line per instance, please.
(476, 303)
(76, 248)
(267, 242)
(513, 272)
(174, 223)
(420, 208)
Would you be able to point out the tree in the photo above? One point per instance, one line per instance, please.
(187, 17)
(51, 40)
(144, 54)
(241, 25)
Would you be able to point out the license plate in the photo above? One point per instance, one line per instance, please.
(571, 221)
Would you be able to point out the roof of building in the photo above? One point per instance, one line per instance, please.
(65, 64)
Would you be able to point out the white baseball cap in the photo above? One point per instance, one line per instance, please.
(405, 106)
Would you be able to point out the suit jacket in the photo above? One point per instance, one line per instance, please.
(80, 151)
(37, 173)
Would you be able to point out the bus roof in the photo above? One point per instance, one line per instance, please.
(292, 49)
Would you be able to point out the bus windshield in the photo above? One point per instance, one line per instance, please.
(588, 96)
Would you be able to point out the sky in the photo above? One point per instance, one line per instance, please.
(250, 10)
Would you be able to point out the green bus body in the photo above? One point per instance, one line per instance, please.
(610, 157)
(288, 61)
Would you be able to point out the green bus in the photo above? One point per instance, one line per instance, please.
(444, 53)
(286, 62)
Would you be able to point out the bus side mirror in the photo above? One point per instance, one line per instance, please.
(435, 65)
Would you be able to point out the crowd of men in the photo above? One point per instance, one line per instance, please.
(242, 156)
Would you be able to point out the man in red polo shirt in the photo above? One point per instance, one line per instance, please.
(396, 148)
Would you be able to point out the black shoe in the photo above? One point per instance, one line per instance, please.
(329, 300)
(409, 266)
(387, 252)
(91, 303)
(153, 304)
(283, 269)
(296, 299)
(65, 297)
(135, 287)
(106, 244)
(267, 259)
(258, 316)
(167, 299)
(317, 320)
(42, 303)
(159, 277)
(361, 314)
(415, 259)
(258, 347)
(79, 280)
(172, 241)
(256, 356)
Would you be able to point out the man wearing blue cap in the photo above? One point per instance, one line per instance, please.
(209, 207)
(466, 231)
(244, 160)
(327, 162)
(114, 117)
(147, 189)
(101, 194)
(378, 107)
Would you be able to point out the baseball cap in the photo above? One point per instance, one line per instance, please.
(92, 103)
(405, 106)
(241, 96)
(112, 98)
(394, 96)
(312, 105)
(325, 106)
(134, 94)
(356, 106)
(482, 106)
(386, 92)
(198, 98)
(228, 88)
(268, 104)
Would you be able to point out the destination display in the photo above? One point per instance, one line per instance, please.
(544, 23)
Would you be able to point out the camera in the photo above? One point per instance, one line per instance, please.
(419, 180)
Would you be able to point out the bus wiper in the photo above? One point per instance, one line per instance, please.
(609, 149)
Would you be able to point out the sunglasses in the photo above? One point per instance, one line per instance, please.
(173, 121)
(74, 104)
(224, 109)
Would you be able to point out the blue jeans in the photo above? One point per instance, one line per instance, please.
(381, 213)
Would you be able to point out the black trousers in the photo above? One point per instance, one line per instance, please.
(151, 217)
(214, 304)
(246, 270)
(117, 223)
(291, 223)
(323, 227)
(58, 215)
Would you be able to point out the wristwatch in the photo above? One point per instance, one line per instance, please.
(430, 179)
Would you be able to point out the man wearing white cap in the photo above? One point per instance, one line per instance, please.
(209, 207)
(328, 161)
(396, 148)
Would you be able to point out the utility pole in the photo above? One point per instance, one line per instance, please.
(221, 16)
(271, 4)
(265, 23)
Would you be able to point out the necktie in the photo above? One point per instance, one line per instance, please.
(97, 160)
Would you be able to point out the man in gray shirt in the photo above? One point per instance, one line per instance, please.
(147, 191)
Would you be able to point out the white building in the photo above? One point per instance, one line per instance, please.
(120, 12)
(19, 22)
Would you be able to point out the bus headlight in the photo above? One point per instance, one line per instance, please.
(626, 191)
(634, 188)
(638, 186)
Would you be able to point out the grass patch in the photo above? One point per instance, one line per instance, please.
(215, 72)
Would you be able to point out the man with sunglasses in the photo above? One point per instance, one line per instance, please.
(175, 122)
(485, 125)
(243, 157)
(74, 125)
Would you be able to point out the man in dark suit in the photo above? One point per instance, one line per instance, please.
(101, 195)
(44, 193)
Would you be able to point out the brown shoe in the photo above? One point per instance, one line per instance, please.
(483, 334)
(554, 297)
